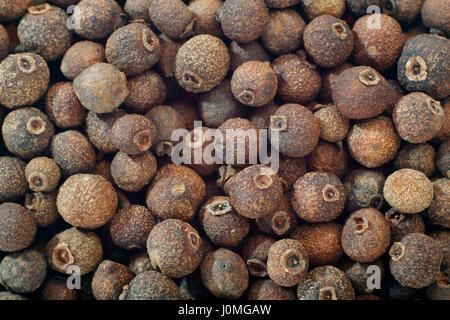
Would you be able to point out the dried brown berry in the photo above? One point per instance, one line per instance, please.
(415, 260)
(74, 247)
(224, 273)
(255, 252)
(133, 134)
(366, 235)
(109, 280)
(290, 169)
(43, 207)
(318, 197)
(322, 242)
(151, 285)
(404, 11)
(298, 81)
(13, 183)
(133, 48)
(424, 65)
(140, 262)
(329, 157)
(328, 40)
(359, 273)
(243, 21)
(420, 157)
(12, 10)
(87, 201)
(24, 79)
(435, 16)
(98, 129)
(260, 117)
(73, 152)
(43, 30)
(174, 248)
(205, 12)
(361, 92)
(27, 132)
(255, 191)
(130, 226)
(408, 191)
(329, 78)
(418, 117)
(17, 227)
(364, 189)
(297, 128)
(254, 83)
(186, 108)
(169, 50)
(101, 88)
(333, 127)
(444, 133)
(281, 3)
(287, 262)
(97, 19)
(56, 289)
(23, 272)
(63, 107)
(284, 31)
(146, 90)
(373, 142)
(377, 47)
(138, 9)
(80, 56)
(42, 174)
(437, 212)
(243, 52)
(403, 224)
(223, 226)
(201, 63)
(443, 158)
(176, 193)
(269, 290)
(442, 237)
(4, 42)
(173, 18)
(317, 8)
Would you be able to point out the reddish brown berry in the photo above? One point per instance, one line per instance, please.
(333, 127)
(42, 174)
(4, 43)
(329, 78)
(43, 207)
(169, 50)
(243, 52)
(138, 9)
(109, 280)
(197, 144)
(255, 252)
(12, 10)
(281, 3)
(205, 12)
(146, 90)
(56, 289)
(17, 227)
(443, 158)
(173, 18)
(269, 290)
(404, 11)
(151, 285)
(80, 56)
(435, 16)
(317, 8)
(364, 189)
(290, 170)
(13, 183)
(437, 212)
(329, 157)
(442, 237)
(140, 262)
(420, 157)
(403, 224)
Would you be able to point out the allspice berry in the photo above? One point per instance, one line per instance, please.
(318, 197)
(174, 248)
(408, 191)
(243, 21)
(169, 50)
(56, 289)
(317, 8)
(373, 142)
(138, 9)
(133, 134)
(101, 88)
(4, 43)
(201, 63)
(87, 201)
(269, 290)
(74, 247)
(151, 285)
(243, 52)
(255, 191)
(298, 81)
(254, 83)
(329, 157)
(377, 47)
(173, 18)
(12, 10)
(443, 158)
(187, 110)
(224, 274)
(404, 11)
(80, 56)
(27, 132)
(98, 129)
(444, 133)
(329, 78)
(287, 262)
(132, 173)
(415, 260)
(223, 226)
(43, 30)
(42, 174)
(366, 235)
(205, 12)
(23, 272)
(290, 170)
(17, 228)
(284, 31)
(24, 79)
(297, 128)
(437, 212)
(140, 262)
(73, 153)
(255, 252)
(328, 40)
(97, 19)
(146, 90)
(333, 126)
(442, 237)
(43, 207)
(63, 107)
(13, 183)
(434, 14)
(109, 279)
(361, 93)
(281, 3)
(418, 117)
(322, 242)
(420, 157)
(359, 273)
(364, 189)
(175, 193)
(424, 65)
(403, 224)
(139, 52)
